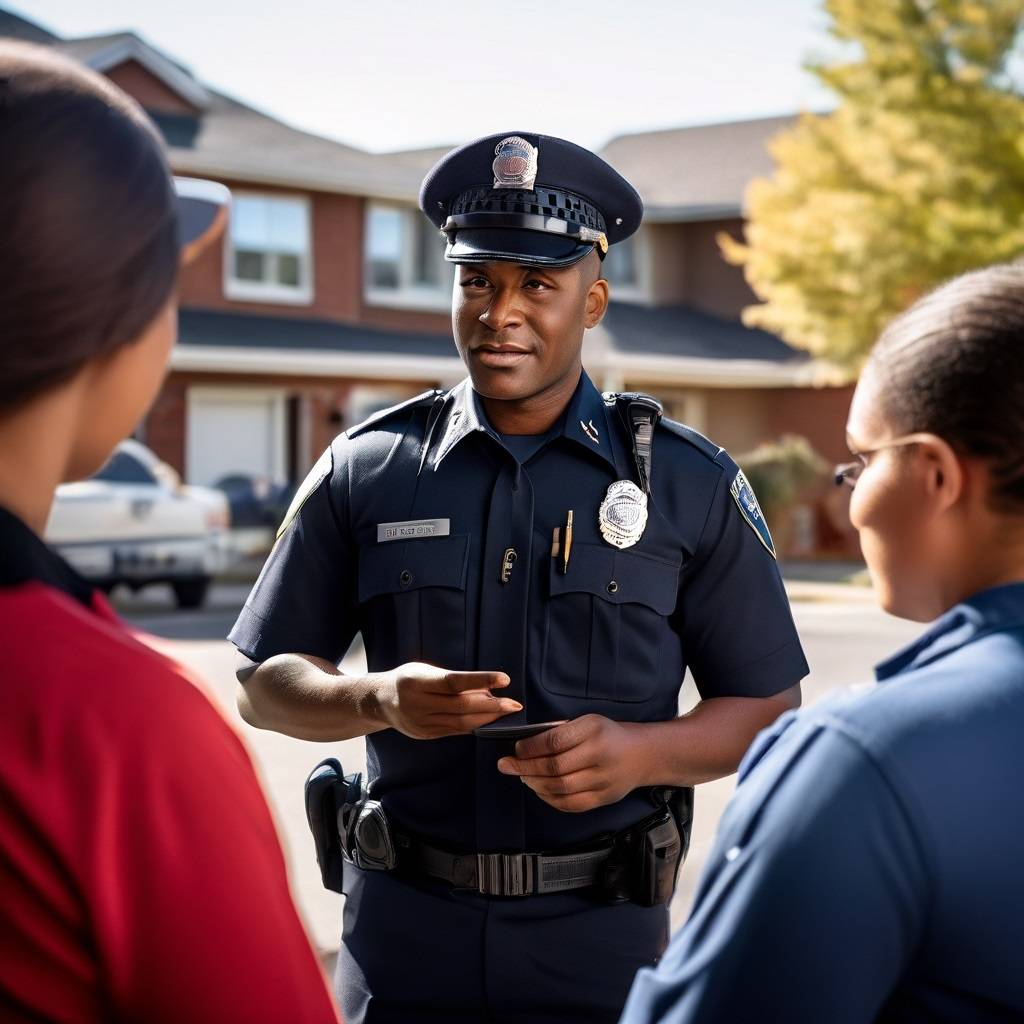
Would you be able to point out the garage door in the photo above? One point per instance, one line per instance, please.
(235, 431)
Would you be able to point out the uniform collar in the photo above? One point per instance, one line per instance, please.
(584, 422)
(24, 558)
(990, 611)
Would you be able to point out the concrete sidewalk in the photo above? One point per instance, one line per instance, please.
(846, 593)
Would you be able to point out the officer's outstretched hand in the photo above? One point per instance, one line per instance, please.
(425, 702)
(586, 763)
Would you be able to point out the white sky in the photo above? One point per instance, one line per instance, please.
(397, 74)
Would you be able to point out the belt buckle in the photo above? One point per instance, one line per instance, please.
(504, 874)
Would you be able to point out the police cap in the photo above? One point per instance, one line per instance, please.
(527, 198)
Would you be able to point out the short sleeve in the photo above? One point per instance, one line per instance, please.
(304, 599)
(812, 903)
(733, 612)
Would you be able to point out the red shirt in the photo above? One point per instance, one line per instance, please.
(140, 874)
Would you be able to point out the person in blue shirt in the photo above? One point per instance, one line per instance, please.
(868, 865)
(519, 548)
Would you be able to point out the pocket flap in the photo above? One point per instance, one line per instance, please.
(396, 566)
(619, 577)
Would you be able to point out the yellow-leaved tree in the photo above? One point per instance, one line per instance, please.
(917, 175)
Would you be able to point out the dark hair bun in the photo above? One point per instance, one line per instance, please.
(90, 251)
(953, 365)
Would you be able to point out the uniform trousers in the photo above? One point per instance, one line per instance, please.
(415, 950)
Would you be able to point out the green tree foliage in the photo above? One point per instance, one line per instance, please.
(916, 176)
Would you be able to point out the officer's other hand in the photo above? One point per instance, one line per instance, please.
(586, 763)
(425, 702)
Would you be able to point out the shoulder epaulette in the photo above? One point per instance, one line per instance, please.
(694, 437)
(427, 398)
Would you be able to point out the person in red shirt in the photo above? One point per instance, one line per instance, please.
(140, 874)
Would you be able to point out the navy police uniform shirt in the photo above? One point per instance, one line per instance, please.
(613, 635)
(869, 865)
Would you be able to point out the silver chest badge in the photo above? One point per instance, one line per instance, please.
(623, 514)
(515, 163)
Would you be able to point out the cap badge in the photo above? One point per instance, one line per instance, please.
(622, 516)
(515, 163)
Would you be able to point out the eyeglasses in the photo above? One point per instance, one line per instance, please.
(849, 472)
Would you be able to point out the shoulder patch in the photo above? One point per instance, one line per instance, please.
(427, 397)
(698, 440)
(746, 501)
(316, 476)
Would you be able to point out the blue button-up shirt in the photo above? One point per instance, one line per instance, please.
(869, 865)
(612, 635)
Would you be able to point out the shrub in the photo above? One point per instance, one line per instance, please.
(781, 471)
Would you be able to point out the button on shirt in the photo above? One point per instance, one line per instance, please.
(869, 865)
(612, 635)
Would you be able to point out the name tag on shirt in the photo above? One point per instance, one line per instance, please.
(412, 529)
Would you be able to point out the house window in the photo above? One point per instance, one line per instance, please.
(627, 268)
(404, 259)
(620, 263)
(268, 249)
(384, 248)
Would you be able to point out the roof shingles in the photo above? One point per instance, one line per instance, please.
(693, 171)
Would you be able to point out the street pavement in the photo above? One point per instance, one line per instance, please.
(843, 633)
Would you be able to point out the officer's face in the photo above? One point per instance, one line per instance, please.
(519, 329)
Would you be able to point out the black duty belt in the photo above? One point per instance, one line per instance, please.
(504, 874)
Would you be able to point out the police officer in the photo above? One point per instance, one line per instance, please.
(868, 866)
(520, 550)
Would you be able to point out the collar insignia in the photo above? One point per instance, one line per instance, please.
(590, 430)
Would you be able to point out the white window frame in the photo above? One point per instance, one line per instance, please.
(640, 292)
(407, 295)
(263, 291)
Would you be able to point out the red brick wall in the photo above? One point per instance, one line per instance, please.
(337, 273)
(337, 223)
(819, 414)
(148, 89)
(165, 426)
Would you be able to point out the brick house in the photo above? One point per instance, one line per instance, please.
(330, 298)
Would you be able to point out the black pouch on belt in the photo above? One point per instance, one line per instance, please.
(644, 866)
(659, 855)
(665, 845)
(329, 791)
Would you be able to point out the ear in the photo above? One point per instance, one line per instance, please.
(597, 303)
(945, 479)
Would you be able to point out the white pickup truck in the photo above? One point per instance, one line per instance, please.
(135, 523)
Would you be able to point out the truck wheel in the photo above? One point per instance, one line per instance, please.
(192, 592)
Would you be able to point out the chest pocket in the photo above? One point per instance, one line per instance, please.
(412, 598)
(607, 623)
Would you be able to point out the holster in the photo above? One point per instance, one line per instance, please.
(644, 865)
(328, 792)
